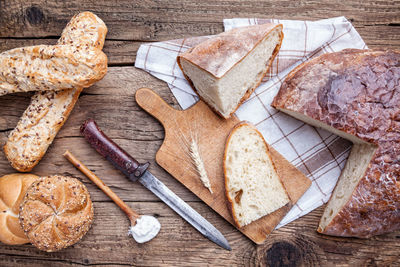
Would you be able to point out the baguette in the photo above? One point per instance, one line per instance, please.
(50, 67)
(49, 110)
(253, 186)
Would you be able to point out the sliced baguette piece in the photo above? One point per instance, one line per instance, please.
(226, 69)
(50, 68)
(49, 110)
(253, 186)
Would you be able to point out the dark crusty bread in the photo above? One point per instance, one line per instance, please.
(355, 94)
(252, 184)
(226, 69)
(56, 212)
(49, 110)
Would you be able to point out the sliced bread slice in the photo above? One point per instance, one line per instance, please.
(252, 185)
(225, 69)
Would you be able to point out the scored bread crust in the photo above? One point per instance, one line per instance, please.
(204, 55)
(230, 200)
(49, 110)
(56, 212)
(50, 67)
(12, 191)
(356, 92)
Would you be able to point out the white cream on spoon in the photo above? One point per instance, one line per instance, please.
(143, 227)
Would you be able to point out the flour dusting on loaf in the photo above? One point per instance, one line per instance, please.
(253, 186)
(225, 69)
(354, 94)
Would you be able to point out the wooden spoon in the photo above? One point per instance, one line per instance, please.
(143, 227)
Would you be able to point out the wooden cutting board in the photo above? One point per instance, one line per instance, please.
(201, 124)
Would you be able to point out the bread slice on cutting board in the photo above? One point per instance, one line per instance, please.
(356, 95)
(252, 184)
(225, 69)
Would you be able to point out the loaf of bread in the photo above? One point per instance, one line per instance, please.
(50, 68)
(225, 70)
(12, 190)
(354, 94)
(49, 110)
(56, 212)
(253, 186)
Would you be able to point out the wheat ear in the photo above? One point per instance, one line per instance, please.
(198, 162)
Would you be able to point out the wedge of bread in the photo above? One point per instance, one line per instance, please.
(226, 69)
(252, 185)
(49, 110)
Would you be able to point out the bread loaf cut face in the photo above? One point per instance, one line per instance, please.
(226, 69)
(356, 95)
(12, 191)
(253, 187)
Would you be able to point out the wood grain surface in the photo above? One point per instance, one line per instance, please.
(111, 102)
(201, 125)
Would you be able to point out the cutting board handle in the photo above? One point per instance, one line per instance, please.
(154, 104)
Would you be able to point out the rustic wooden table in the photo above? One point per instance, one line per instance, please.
(111, 102)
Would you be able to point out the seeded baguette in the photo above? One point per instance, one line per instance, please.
(50, 68)
(49, 110)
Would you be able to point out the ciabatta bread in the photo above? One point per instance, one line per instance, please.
(50, 68)
(12, 190)
(354, 94)
(49, 110)
(252, 184)
(225, 70)
(56, 212)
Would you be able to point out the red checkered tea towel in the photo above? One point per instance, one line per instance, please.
(317, 153)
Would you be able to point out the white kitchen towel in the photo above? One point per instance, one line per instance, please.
(318, 154)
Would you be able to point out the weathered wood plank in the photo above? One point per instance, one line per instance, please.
(178, 244)
(155, 20)
(131, 22)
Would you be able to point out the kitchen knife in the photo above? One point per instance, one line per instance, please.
(136, 171)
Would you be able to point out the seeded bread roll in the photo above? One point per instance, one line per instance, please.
(56, 212)
(50, 67)
(12, 190)
(49, 110)
(226, 69)
(253, 186)
(356, 95)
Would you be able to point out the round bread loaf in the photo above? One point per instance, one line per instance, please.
(12, 190)
(56, 212)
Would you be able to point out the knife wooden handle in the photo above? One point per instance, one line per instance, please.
(111, 151)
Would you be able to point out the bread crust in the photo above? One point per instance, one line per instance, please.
(230, 200)
(49, 110)
(12, 190)
(204, 54)
(356, 92)
(27, 68)
(56, 212)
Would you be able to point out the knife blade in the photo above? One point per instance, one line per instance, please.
(136, 171)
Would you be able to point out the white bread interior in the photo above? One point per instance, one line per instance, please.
(355, 168)
(253, 186)
(225, 93)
